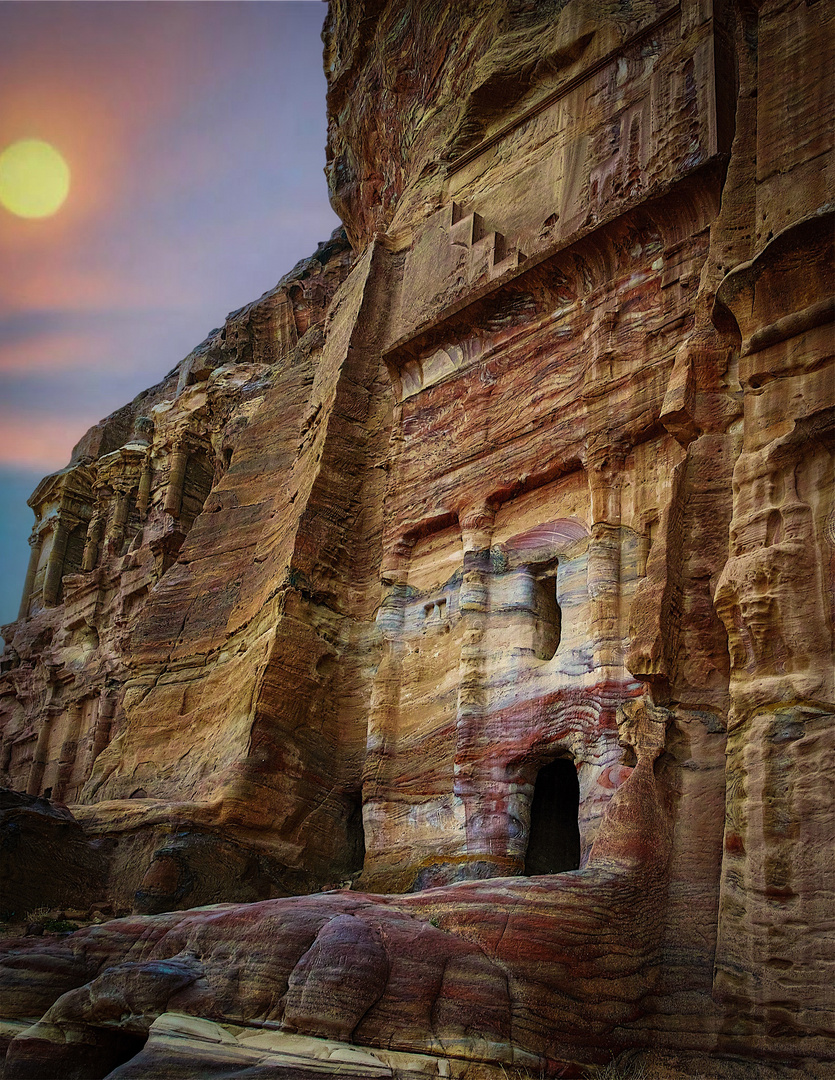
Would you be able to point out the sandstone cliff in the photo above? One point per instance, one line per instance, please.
(485, 565)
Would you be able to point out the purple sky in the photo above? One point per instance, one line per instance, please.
(195, 135)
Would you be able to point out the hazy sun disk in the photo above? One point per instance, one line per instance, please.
(34, 178)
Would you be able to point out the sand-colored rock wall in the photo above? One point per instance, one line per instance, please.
(487, 568)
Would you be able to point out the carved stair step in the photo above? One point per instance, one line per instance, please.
(511, 259)
(482, 257)
(467, 230)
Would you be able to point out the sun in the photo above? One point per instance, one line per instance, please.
(34, 179)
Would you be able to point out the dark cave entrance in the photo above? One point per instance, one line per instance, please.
(554, 837)
(355, 836)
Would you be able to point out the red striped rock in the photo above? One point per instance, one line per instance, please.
(486, 568)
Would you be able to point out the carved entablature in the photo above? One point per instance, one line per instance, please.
(67, 492)
(63, 504)
(629, 121)
(122, 468)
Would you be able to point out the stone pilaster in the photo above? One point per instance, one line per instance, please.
(176, 478)
(104, 724)
(116, 532)
(143, 495)
(385, 697)
(35, 545)
(91, 545)
(69, 750)
(476, 536)
(605, 474)
(55, 564)
(36, 770)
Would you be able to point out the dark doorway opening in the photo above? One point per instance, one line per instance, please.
(355, 835)
(554, 838)
(548, 625)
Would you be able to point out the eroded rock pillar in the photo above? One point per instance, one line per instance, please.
(35, 545)
(485, 809)
(605, 473)
(55, 564)
(774, 595)
(777, 870)
(91, 544)
(176, 478)
(143, 495)
(39, 759)
(69, 750)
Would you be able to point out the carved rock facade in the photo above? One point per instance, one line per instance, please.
(497, 556)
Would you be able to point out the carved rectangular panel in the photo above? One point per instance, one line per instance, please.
(621, 131)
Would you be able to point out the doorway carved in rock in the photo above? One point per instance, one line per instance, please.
(554, 835)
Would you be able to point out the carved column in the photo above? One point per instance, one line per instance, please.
(176, 478)
(35, 544)
(55, 564)
(104, 723)
(143, 496)
(69, 750)
(36, 771)
(91, 545)
(486, 835)
(96, 738)
(385, 695)
(116, 532)
(605, 477)
(642, 554)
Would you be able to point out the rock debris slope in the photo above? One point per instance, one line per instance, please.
(458, 618)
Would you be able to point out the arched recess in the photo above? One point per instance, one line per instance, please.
(554, 833)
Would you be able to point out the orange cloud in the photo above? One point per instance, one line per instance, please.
(41, 442)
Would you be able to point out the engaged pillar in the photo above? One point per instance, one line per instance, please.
(35, 545)
(176, 478)
(143, 495)
(486, 829)
(385, 693)
(69, 750)
(605, 476)
(116, 532)
(476, 536)
(36, 770)
(104, 724)
(55, 564)
(91, 544)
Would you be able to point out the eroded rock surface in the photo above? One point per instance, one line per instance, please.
(485, 566)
